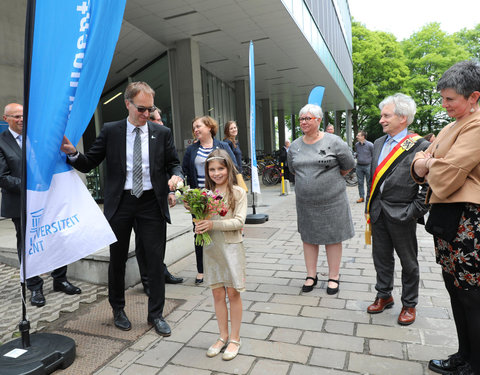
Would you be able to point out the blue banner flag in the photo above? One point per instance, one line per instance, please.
(316, 95)
(71, 53)
(253, 153)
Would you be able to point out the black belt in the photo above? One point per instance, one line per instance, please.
(129, 191)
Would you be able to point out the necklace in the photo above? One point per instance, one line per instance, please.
(312, 139)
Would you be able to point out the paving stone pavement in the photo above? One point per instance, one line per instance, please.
(287, 332)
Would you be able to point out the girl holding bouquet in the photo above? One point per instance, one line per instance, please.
(224, 258)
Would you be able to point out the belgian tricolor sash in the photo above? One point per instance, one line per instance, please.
(396, 155)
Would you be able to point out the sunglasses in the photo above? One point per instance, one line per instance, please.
(143, 109)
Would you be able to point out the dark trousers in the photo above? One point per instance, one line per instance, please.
(151, 228)
(199, 257)
(198, 252)
(141, 259)
(466, 313)
(387, 236)
(36, 282)
(363, 173)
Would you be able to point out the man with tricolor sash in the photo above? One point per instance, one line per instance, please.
(394, 205)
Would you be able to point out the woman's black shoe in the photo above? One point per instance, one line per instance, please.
(199, 281)
(333, 290)
(309, 288)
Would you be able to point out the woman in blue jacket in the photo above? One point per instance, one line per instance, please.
(204, 130)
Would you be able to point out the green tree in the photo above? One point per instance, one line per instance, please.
(430, 52)
(379, 70)
(470, 40)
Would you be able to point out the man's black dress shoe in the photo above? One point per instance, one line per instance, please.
(161, 326)
(121, 321)
(37, 298)
(65, 287)
(170, 279)
(446, 366)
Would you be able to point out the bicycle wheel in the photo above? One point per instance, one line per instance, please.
(246, 172)
(276, 176)
(269, 176)
(351, 178)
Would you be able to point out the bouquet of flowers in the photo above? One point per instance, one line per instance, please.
(202, 204)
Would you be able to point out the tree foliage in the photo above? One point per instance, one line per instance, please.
(379, 69)
(470, 39)
(383, 66)
(430, 52)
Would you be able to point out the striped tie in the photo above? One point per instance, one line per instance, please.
(137, 184)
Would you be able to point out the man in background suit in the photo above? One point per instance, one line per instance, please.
(283, 159)
(396, 203)
(141, 166)
(10, 182)
(155, 117)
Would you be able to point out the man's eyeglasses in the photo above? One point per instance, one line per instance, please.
(16, 117)
(143, 109)
(307, 118)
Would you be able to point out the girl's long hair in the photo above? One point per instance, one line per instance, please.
(223, 158)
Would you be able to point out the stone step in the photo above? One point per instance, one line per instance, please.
(94, 268)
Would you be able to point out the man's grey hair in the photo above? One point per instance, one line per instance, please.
(314, 109)
(404, 106)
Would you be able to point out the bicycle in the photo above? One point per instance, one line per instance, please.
(246, 171)
(351, 177)
(272, 174)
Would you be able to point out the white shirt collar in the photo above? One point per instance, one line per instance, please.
(131, 127)
(14, 133)
(398, 137)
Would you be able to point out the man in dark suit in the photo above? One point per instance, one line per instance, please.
(396, 202)
(10, 182)
(155, 117)
(141, 166)
(283, 159)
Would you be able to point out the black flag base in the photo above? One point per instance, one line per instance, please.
(47, 353)
(256, 218)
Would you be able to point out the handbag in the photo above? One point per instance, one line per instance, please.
(241, 182)
(444, 219)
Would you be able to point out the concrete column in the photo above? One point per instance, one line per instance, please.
(338, 122)
(12, 21)
(186, 90)
(267, 126)
(242, 115)
(294, 130)
(348, 131)
(281, 128)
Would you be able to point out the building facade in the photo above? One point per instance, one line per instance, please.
(194, 53)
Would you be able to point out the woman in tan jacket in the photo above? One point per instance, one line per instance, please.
(451, 166)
